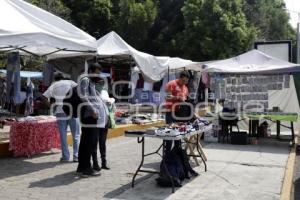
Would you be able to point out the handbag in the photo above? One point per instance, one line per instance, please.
(111, 119)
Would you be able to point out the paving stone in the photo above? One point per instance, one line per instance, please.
(234, 172)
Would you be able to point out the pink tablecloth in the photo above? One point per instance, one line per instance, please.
(32, 137)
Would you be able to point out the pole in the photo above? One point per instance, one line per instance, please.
(298, 39)
(168, 73)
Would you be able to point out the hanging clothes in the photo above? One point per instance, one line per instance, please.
(157, 86)
(147, 86)
(140, 82)
(29, 98)
(205, 78)
(13, 79)
(48, 71)
(2, 92)
(134, 78)
(112, 74)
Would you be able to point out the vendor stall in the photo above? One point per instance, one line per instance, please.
(188, 133)
(30, 30)
(32, 135)
(256, 82)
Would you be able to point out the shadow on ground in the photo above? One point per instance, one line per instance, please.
(58, 180)
(11, 167)
(153, 191)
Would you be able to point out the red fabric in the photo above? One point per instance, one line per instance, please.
(112, 74)
(32, 137)
(140, 82)
(177, 90)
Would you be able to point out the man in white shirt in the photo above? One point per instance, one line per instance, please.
(58, 91)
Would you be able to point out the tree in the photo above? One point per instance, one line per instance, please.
(163, 37)
(134, 21)
(94, 16)
(55, 7)
(270, 18)
(215, 29)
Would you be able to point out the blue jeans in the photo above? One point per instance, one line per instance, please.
(74, 126)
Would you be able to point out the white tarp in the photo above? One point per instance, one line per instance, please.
(112, 45)
(153, 68)
(39, 32)
(255, 62)
(175, 64)
(252, 62)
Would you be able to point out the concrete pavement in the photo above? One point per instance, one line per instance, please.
(234, 172)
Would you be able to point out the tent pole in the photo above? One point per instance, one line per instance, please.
(168, 73)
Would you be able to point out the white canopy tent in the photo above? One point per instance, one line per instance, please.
(153, 68)
(113, 46)
(252, 62)
(31, 30)
(177, 64)
(255, 62)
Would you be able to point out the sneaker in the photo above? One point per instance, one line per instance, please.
(64, 160)
(96, 167)
(75, 159)
(89, 173)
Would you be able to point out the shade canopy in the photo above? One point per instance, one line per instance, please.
(154, 68)
(252, 62)
(113, 46)
(176, 64)
(30, 29)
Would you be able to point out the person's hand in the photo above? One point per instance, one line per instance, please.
(181, 98)
(95, 115)
(169, 97)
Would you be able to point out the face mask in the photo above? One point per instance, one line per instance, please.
(98, 87)
(95, 79)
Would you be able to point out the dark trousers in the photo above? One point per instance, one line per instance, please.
(169, 119)
(102, 135)
(88, 142)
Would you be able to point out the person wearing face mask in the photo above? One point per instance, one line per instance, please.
(94, 117)
(102, 92)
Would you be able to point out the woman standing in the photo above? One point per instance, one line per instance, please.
(107, 103)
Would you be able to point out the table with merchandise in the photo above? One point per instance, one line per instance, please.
(189, 133)
(277, 117)
(33, 135)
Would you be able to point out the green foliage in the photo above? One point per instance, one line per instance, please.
(270, 18)
(194, 29)
(56, 7)
(94, 16)
(215, 29)
(135, 19)
(164, 35)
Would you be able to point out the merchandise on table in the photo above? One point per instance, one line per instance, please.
(180, 129)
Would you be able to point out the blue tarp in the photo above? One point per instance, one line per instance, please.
(27, 74)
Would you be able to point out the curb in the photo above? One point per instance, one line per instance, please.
(287, 186)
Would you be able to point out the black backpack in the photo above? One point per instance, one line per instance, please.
(72, 98)
(175, 169)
